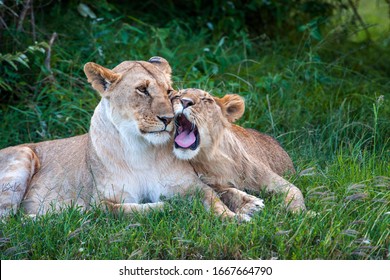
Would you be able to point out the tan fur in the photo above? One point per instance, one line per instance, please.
(125, 159)
(231, 156)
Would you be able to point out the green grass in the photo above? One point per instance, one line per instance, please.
(351, 221)
(326, 101)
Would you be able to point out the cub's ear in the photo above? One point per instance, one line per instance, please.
(99, 77)
(162, 64)
(232, 105)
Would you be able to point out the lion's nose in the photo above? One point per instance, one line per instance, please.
(165, 119)
(187, 102)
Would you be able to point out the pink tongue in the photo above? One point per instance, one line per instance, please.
(185, 139)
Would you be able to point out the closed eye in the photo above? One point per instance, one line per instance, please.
(206, 99)
(175, 97)
(143, 90)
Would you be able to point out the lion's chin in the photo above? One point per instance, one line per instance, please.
(185, 154)
(157, 138)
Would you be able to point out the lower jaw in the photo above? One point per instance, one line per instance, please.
(185, 154)
(177, 147)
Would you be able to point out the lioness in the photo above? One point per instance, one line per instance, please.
(125, 159)
(228, 156)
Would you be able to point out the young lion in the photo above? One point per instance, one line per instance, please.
(124, 160)
(228, 156)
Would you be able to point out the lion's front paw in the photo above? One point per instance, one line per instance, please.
(109, 206)
(252, 206)
(242, 217)
(296, 207)
(295, 204)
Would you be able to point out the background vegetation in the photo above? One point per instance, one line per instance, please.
(315, 75)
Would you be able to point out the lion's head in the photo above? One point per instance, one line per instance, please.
(135, 94)
(199, 119)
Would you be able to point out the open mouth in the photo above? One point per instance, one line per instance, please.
(186, 135)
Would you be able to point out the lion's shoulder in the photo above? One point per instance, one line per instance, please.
(264, 148)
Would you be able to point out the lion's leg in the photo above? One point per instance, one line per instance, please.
(129, 208)
(239, 201)
(213, 202)
(294, 199)
(17, 166)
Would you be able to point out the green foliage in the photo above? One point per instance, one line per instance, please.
(10, 64)
(350, 222)
(323, 96)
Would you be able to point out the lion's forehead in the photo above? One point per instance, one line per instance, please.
(141, 70)
(194, 93)
(128, 65)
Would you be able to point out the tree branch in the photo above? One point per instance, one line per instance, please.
(48, 53)
(23, 14)
(34, 34)
(359, 19)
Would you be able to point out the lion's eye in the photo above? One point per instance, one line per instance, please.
(209, 100)
(169, 92)
(143, 90)
(175, 97)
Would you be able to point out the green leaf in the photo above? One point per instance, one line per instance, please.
(133, 28)
(85, 11)
(315, 33)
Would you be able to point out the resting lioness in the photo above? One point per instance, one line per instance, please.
(227, 155)
(125, 159)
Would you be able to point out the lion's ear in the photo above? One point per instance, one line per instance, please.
(99, 77)
(232, 105)
(162, 64)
